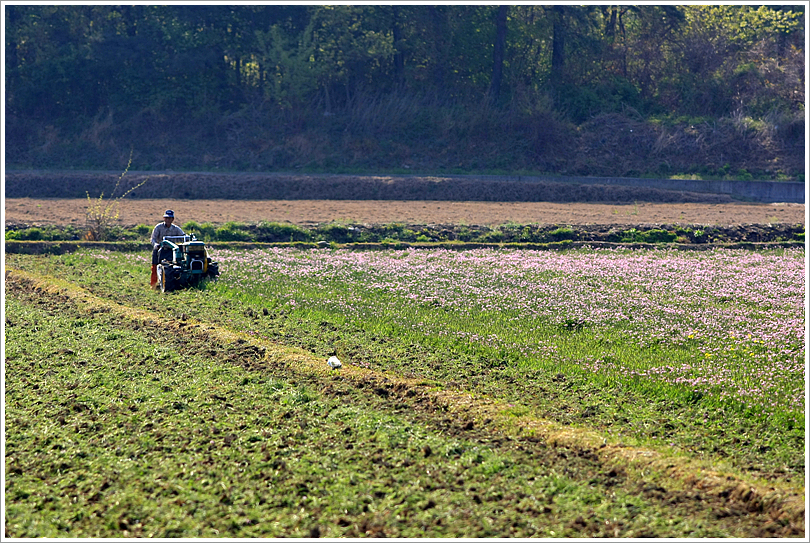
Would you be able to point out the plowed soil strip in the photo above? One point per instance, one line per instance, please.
(464, 412)
(71, 211)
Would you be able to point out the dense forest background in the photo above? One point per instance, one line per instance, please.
(618, 90)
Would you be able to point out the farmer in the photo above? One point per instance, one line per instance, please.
(163, 229)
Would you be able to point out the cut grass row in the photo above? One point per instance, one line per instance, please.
(148, 425)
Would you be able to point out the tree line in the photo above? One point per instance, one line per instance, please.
(70, 63)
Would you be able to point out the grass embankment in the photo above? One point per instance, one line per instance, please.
(266, 447)
(337, 232)
(410, 135)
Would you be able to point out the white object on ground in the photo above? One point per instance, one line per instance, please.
(333, 362)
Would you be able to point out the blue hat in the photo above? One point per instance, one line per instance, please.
(169, 213)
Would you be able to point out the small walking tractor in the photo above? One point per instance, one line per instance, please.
(184, 261)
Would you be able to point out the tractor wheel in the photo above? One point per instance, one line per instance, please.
(213, 270)
(165, 278)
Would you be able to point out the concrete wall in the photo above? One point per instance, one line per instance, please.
(755, 191)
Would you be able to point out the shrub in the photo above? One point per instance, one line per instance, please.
(231, 231)
(526, 234)
(561, 233)
(273, 231)
(32, 234)
(630, 235)
(119, 233)
(191, 226)
(46, 233)
(744, 175)
(394, 229)
(339, 233)
(656, 235)
(493, 236)
(100, 216)
(144, 230)
(205, 231)
(464, 234)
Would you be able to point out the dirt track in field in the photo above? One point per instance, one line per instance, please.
(65, 211)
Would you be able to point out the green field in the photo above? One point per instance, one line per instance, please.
(485, 393)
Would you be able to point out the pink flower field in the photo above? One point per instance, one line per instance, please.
(727, 324)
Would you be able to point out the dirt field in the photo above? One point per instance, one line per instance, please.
(307, 212)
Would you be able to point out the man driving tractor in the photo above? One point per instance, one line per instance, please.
(163, 229)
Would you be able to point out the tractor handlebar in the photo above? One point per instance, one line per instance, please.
(180, 239)
(175, 241)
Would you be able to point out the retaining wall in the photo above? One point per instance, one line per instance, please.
(292, 186)
(756, 191)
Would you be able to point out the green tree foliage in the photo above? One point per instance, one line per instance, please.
(76, 69)
(731, 57)
(64, 61)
